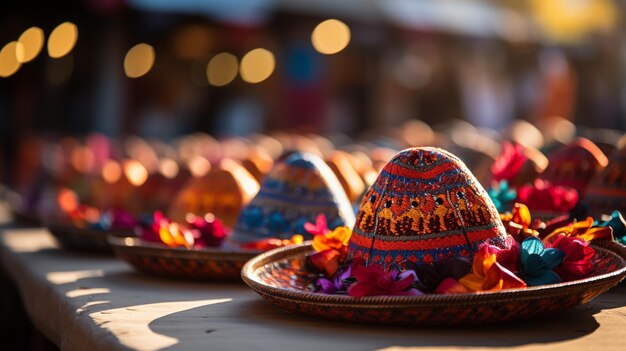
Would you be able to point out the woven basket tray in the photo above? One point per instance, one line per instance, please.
(280, 277)
(180, 263)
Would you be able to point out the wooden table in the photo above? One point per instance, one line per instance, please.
(87, 302)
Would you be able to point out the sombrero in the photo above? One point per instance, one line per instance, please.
(574, 165)
(607, 190)
(201, 258)
(424, 207)
(224, 191)
(295, 191)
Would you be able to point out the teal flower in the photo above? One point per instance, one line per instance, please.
(618, 224)
(502, 196)
(537, 262)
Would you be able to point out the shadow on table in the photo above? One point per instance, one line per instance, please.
(236, 318)
(255, 316)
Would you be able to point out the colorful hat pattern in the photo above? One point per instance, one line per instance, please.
(575, 164)
(295, 191)
(607, 190)
(425, 206)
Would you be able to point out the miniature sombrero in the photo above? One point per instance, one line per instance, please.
(224, 191)
(574, 165)
(607, 190)
(295, 191)
(425, 207)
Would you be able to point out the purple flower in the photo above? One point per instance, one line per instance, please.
(338, 283)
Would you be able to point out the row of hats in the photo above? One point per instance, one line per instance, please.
(162, 169)
(587, 180)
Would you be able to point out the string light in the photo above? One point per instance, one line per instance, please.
(62, 39)
(8, 60)
(139, 60)
(29, 44)
(222, 69)
(257, 65)
(330, 36)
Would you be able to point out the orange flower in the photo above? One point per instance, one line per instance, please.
(582, 230)
(172, 235)
(518, 223)
(327, 261)
(487, 274)
(338, 240)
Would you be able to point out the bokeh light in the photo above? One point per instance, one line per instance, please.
(168, 168)
(222, 69)
(257, 65)
(139, 60)
(111, 171)
(29, 44)
(8, 60)
(62, 39)
(135, 172)
(330, 36)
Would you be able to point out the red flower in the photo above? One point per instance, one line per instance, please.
(578, 262)
(373, 280)
(509, 163)
(543, 196)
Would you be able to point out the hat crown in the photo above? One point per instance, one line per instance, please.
(294, 192)
(424, 206)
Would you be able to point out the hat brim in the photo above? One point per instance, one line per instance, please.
(85, 239)
(280, 276)
(207, 264)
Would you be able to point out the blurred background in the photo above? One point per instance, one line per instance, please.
(160, 69)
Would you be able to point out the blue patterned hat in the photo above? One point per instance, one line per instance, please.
(295, 191)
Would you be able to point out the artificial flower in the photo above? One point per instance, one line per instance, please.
(543, 196)
(338, 283)
(207, 231)
(174, 235)
(502, 195)
(319, 228)
(553, 224)
(373, 280)
(450, 286)
(272, 243)
(149, 228)
(518, 224)
(488, 274)
(537, 262)
(507, 257)
(431, 275)
(582, 229)
(618, 224)
(118, 219)
(338, 240)
(326, 261)
(578, 261)
(509, 163)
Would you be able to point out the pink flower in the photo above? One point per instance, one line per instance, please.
(319, 228)
(508, 257)
(207, 231)
(578, 262)
(373, 280)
